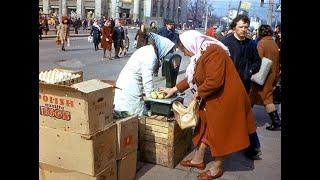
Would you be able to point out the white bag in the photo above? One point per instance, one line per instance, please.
(90, 39)
(186, 117)
(261, 76)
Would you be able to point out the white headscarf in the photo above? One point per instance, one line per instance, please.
(163, 44)
(196, 42)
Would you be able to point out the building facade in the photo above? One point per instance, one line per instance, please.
(144, 10)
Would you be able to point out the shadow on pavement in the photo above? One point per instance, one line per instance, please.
(143, 170)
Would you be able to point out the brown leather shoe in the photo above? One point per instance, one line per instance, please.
(187, 163)
(207, 175)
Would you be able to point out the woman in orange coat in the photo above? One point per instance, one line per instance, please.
(106, 41)
(226, 118)
(262, 95)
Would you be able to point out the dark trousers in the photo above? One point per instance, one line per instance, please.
(254, 141)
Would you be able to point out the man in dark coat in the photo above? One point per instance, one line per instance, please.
(118, 37)
(167, 31)
(246, 59)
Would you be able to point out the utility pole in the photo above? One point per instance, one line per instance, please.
(206, 23)
(270, 12)
(239, 7)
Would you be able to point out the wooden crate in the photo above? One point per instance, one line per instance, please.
(48, 172)
(83, 108)
(127, 166)
(162, 141)
(127, 131)
(83, 153)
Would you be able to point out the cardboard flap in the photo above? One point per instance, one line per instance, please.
(91, 85)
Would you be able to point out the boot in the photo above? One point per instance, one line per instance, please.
(276, 123)
(62, 48)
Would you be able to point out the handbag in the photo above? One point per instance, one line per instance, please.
(261, 76)
(90, 39)
(186, 117)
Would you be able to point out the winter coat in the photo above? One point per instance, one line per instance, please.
(226, 114)
(107, 32)
(245, 56)
(262, 95)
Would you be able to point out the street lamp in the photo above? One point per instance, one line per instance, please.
(179, 13)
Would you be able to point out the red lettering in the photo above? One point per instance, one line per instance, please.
(45, 98)
(43, 110)
(56, 113)
(66, 115)
(56, 100)
(51, 99)
(61, 102)
(50, 112)
(69, 103)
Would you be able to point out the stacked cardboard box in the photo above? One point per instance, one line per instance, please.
(163, 142)
(127, 131)
(77, 135)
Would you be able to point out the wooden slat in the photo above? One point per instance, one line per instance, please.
(156, 134)
(156, 128)
(156, 122)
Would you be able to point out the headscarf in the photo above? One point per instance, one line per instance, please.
(163, 44)
(95, 24)
(196, 42)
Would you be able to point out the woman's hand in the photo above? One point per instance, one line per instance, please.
(169, 91)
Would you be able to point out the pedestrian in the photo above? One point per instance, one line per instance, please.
(262, 94)
(246, 59)
(211, 31)
(135, 79)
(124, 47)
(76, 25)
(168, 32)
(96, 33)
(106, 41)
(118, 38)
(141, 37)
(63, 32)
(277, 36)
(226, 117)
(153, 27)
(40, 30)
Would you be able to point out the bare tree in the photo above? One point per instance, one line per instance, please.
(197, 10)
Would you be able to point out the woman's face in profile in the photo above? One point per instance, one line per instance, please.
(184, 50)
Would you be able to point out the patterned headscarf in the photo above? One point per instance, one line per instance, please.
(163, 44)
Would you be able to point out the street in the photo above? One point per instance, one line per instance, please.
(82, 56)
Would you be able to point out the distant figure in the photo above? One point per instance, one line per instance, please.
(106, 41)
(96, 33)
(212, 31)
(141, 37)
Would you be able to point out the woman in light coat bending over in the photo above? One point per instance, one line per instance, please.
(135, 79)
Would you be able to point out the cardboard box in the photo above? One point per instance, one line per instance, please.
(88, 154)
(127, 131)
(83, 108)
(127, 166)
(48, 172)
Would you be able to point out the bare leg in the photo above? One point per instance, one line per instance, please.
(199, 154)
(217, 166)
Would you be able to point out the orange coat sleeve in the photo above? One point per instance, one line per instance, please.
(214, 70)
(182, 85)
